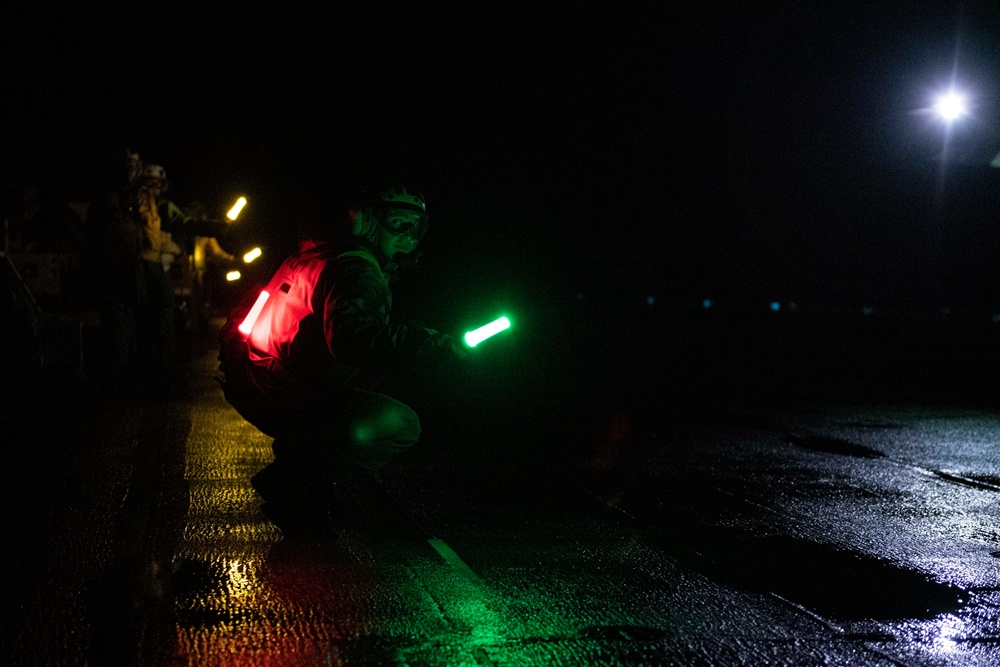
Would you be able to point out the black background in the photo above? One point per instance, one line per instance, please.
(613, 151)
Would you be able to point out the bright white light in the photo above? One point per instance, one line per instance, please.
(247, 325)
(950, 631)
(233, 275)
(951, 106)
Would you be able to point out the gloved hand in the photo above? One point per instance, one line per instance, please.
(456, 346)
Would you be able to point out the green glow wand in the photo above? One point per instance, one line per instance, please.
(477, 336)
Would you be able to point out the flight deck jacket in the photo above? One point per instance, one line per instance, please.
(327, 317)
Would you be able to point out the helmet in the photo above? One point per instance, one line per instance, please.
(154, 171)
(395, 209)
(399, 197)
(154, 176)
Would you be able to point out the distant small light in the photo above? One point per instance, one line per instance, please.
(867, 310)
(252, 255)
(775, 306)
(707, 303)
(650, 300)
(579, 296)
(996, 318)
(233, 275)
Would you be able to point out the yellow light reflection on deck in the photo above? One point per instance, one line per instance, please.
(233, 275)
(240, 584)
(252, 255)
(234, 212)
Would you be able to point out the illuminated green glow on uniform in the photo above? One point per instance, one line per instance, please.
(477, 336)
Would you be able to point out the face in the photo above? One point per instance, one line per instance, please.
(400, 233)
(156, 186)
(392, 244)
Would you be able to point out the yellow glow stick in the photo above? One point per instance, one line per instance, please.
(234, 212)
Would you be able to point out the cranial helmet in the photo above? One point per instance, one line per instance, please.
(154, 171)
(400, 198)
(395, 209)
(155, 176)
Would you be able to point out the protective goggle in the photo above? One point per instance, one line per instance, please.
(410, 224)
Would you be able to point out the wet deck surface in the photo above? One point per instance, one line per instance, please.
(830, 532)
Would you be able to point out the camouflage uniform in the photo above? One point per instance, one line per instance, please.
(327, 318)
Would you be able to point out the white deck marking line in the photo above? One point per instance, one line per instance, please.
(452, 558)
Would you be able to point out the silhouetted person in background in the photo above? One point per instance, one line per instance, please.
(211, 261)
(155, 331)
(114, 240)
(129, 259)
(193, 234)
(182, 225)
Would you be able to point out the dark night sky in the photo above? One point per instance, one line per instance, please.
(730, 150)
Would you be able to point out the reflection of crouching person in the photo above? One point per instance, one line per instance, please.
(326, 318)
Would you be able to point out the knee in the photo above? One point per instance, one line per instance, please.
(410, 428)
(399, 426)
(373, 443)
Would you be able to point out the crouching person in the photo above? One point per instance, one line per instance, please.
(291, 356)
